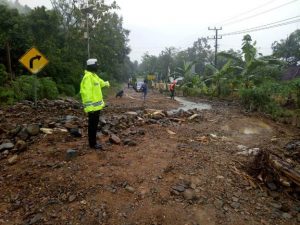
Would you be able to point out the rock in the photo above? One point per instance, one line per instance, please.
(51, 124)
(47, 130)
(21, 145)
(70, 118)
(189, 194)
(179, 188)
(70, 125)
(276, 206)
(129, 142)
(5, 153)
(23, 134)
(75, 132)
(218, 203)
(174, 192)
(105, 131)
(298, 217)
(13, 132)
(114, 139)
(141, 132)
(193, 116)
(102, 121)
(131, 113)
(12, 160)
(129, 189)
(287, 216)
(6, 146)
(35, 219)
(71, 153)
(235, 205)
(72, 198)
(235, 199)
(33, 129)
(242, 147)
(271, 186)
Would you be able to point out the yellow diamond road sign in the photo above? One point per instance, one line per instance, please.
(33, 60)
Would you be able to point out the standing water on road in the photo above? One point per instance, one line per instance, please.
(186, 105)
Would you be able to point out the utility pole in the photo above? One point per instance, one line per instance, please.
(216, 37)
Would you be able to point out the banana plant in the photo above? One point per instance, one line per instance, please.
(222, 75)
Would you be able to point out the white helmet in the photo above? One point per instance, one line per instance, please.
(91, 62)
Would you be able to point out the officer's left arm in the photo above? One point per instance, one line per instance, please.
(104, 83)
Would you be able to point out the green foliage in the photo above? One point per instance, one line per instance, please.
(288, 49)
(6, 96)
(24, 86)
(49, 89)
(295, 85)
(193, 92)
(255, 98)
(248, 49)
(3, 75)
(66, 89)
(58, 34)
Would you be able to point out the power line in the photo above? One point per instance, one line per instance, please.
(258, 14)
(263, 27)
(251, 10)
(269, 24)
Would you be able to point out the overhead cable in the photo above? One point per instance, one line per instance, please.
(258, 14)
(246, 12)
(263, 27)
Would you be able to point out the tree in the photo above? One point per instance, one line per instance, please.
(288, 49)
(166, 62)
(149, 64)
(201, 53)
(14, 38)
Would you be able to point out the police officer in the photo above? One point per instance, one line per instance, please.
(92, 99)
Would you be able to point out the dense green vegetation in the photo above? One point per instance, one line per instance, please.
(255, 80)
(59, 35)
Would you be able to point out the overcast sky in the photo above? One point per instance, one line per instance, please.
(157, 24)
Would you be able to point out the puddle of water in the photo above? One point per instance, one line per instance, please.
(186, 105)
(248, 130)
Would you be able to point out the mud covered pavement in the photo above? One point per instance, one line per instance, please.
(189, 168)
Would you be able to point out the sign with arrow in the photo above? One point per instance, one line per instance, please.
(33, 60)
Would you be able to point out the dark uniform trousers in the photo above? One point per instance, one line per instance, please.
(93, 125)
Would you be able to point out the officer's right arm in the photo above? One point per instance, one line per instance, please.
(85, 89)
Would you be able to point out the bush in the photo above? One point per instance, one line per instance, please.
(67, 89)
(192, 92)
(24, 87)
(3, 75)
(255, 98)
(6, 96)
(49, 89)
(259, 99)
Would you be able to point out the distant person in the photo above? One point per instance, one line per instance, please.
(129, 81)
(144, 89)
(172, 89)
(92, 99)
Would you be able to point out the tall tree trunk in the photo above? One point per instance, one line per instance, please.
(9, 61)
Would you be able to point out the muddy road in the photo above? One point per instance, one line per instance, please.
(156, 168)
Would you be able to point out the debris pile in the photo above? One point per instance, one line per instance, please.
(24, 124)
(279, 173)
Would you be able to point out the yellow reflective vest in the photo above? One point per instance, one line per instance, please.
(91, 93)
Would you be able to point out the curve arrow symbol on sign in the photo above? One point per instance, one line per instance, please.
(38, 57)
